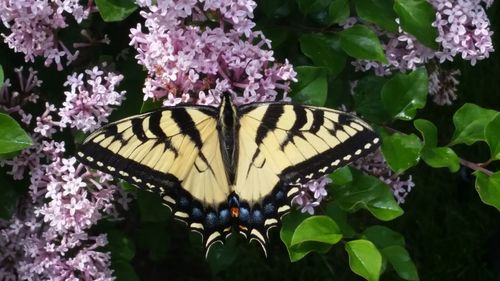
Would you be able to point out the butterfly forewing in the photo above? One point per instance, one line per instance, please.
(174, 152)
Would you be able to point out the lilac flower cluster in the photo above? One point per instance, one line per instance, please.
(90, 99)
(464, 28)
(33, 25)
(312, 194)
(375, 165)
(47, 238)
(403, 53)
(206, 48)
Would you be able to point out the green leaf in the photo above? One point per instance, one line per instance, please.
(318, 229)
(369, 193)
(123, 271)
(342, 176)
(364, 259)
(151, 208)
(368, 99)
(323, 50)
(401, 151)
(12, 136)
(1, 76)
(470, 122)
(379, 12)
(383, 236)
(121, 247)
(441, 157)
(338, 11)
(307, 7)
(334, 211)
(428, 131)
(416, 17)
(436, 157)
(492, 135)
(401, 261)
(361, 42)
(298, 251)
(488, 188)
(115, 10)
(405, 93)
(311, 87)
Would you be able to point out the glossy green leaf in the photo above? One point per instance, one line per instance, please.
(492, 135)
(379, 12)
(470, 122)
(369, 193)
(317, 229)
(338, 11)
(1, 76)
(383, 236)
(298, 251)
(12, 136)
(323, 50)
(342, 176)
(416, 17)
(312, 86)
(121, 247)
(368, 99)
(364, 259)
(436, 157)
(334, 211)
(488, 188)
(401, 261)
(441, 157)
(405, 93)
(401, 151)
(115, 10)
(428, 131)
(123, 271)
(361, 42)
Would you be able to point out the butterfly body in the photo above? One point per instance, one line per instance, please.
(231, 167)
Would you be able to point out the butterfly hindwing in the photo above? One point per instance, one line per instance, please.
(174, 152)
(283, 146)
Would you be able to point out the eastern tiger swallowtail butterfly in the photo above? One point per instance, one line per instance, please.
(231, 167)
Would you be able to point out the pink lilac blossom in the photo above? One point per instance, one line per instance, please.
(463, 29)
(47, 238)
(375, 165)
(403, 53)
(311, 194)
(33, 27)
(90, 99)
(182, 58)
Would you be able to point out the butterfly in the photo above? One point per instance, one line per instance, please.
(232, 167)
